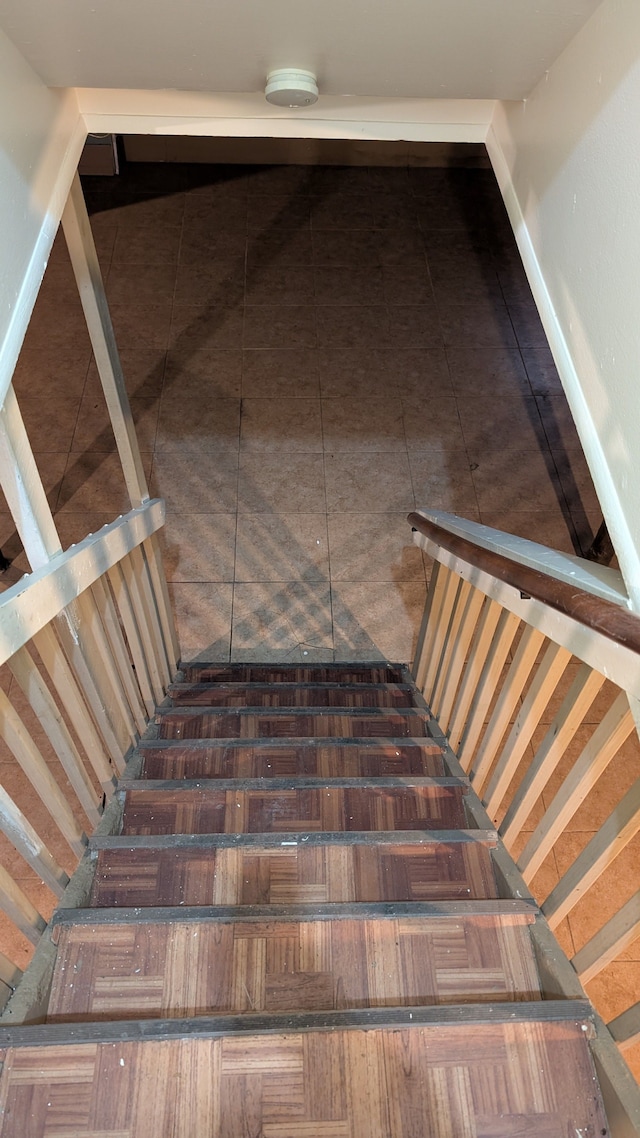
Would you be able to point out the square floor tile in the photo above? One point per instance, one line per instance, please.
(542, 371)
(353, 425)
(281, 616)
(357, 326)
(282, 547)
(352, 248)
(193, 481)
(414, 326)
(433, 424)
(355, 372)
(38, 370)
(516, 481)
(348, 285)
(49, 415)
(279, 326)
(488, 371)
(377, 620)
(478, 325)
(203, 619)
(373, 547)
(93, 482)
(271, 285)
(150, 245)
(205, 327)
(272, 373)
(140, 283)
(138, 325)
(199, 547)
(218, 282)
(279, 250)
(205, 424)
(281, 424)
(143, 370)
(512, 422)
(368, 481)
(197, 374)
(443, 482)
(281, 483)
(93, 429)
(202, 245)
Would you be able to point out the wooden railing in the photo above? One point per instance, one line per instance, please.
(516, 644)
(90, 644)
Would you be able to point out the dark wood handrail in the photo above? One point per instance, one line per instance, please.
(605, 617)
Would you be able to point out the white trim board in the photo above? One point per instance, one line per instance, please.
(249, 115)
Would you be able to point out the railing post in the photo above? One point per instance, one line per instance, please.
(23, 489)
(84, 261)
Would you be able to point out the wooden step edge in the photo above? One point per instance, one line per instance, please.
(316, 665)
(520, 912)
(296, 741)
(298, 783)
(273, 841)
(189, 709)
(578, 1012)
(287, 686)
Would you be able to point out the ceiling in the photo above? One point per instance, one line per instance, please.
(473, 49)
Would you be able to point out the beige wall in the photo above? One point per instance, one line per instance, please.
(41, 137)
(569, 162)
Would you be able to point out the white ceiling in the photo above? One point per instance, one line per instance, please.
(469, 49)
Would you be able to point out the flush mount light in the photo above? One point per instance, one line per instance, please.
(290, 87)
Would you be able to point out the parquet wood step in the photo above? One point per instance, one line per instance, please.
(291, 810)
(253, 723)
(491, 1080)
(359, 758)
(111, 971)
(312, 871)
(295, 673)
(292, 695)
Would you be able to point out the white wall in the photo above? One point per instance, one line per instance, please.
(568, 160)
(41, 137)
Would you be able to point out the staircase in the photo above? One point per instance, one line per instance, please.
(298, 932)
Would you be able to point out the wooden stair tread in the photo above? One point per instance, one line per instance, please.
(255, 723)
(226, 968)
(307, 872)
(324, 955)
(499, 1079)
(276, 758)
(292, 695)
(295, 673)
(321, 809)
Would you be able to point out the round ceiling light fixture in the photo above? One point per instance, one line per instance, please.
(291, 87)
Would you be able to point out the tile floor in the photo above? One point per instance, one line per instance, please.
(310, 353)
